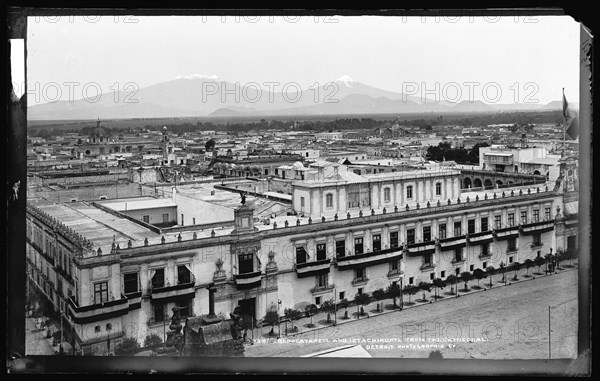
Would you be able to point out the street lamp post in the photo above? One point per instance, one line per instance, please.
(60, 347)
(278, 319)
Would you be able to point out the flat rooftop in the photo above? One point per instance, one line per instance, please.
(138, 203)
(103, 228)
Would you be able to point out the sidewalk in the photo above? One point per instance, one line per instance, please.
(320, 318)
(35, 341)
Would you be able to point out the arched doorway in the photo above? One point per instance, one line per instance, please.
(477, 183)
(467, 183)
(536, 172)
(488, 183)
(498, 182)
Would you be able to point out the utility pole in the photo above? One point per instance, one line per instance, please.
(549, 345)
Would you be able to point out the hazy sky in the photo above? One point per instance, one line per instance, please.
(536, 55)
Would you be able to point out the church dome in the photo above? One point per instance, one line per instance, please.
(298, 165)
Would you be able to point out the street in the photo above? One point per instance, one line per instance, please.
(35, 343)
(506, 322)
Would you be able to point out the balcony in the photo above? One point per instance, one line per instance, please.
(135, 300)
(537, 227)
(506, 233)
(368, 259)
(457, 260)
(481, 238)
(313, 268)
(427, 266)
(360, 281)
(247, 281)
(167, 293)
(317, 290)
(98, 311)
(536, 245)
(424, 248)
(485, 255)
(394, 274)
(453, 243)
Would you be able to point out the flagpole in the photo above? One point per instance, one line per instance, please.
(564, 125)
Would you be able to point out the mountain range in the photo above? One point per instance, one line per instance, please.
(202, 96)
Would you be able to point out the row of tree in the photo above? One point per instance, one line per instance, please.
(394, 291)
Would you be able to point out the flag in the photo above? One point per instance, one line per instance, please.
(571, 116)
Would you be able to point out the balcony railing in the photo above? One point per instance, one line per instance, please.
(422, 248)
(169, 292)
(247, 280)
(135, 300)
(368, 259)
(395, 273)
(506, 233)
(458, 260)
(322, 289)
(359, 281)
(537, 227)
(313, 268)
(453, 242)
(427, 266)
(485, 255)
(481, 238)
(98, 311)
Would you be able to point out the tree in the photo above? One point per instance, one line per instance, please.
(424, 286)
(452, 280)
(310, 310)
(344, 304)
(209, 145)
(361, 300)
(126, 346)
(271, 318)
(293, 315)
(539, 262)
(393, 291)
(479, 274)
(503, 270)
(528, 264)
(549, 260)
(410, 290)
(516, 266)
(560, 256)
(439, 284)
(246, 323)
(152, 340)
(466, 277)
(379, 294)
(329, 307)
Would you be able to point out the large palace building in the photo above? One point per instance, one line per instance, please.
(115, 276)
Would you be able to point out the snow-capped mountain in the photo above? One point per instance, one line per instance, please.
(208, 95)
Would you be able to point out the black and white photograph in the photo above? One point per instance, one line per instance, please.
(299, 192)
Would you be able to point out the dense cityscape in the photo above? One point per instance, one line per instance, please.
(127, 227)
